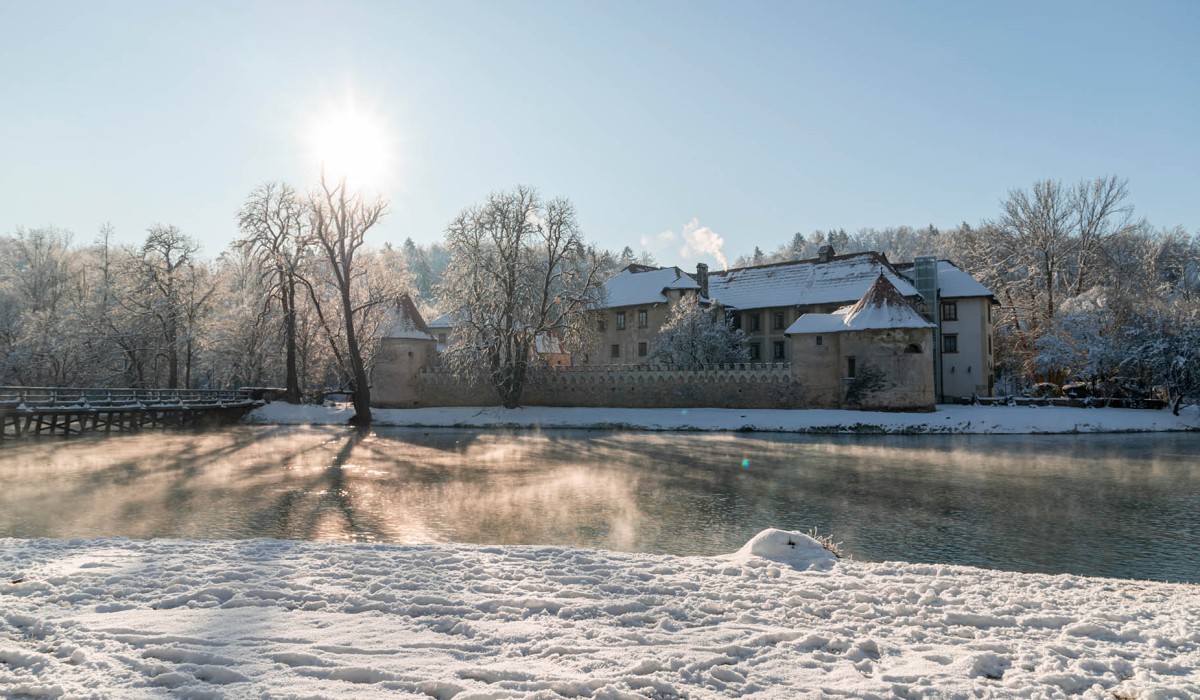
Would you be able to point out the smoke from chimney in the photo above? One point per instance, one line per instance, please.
(699, 239)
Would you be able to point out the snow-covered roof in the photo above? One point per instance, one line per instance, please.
(842, 279)
(442, 322)
(953, 281)
(882, 307)
(405, 322)
(548, 344)
(817, 323)
(640, 284)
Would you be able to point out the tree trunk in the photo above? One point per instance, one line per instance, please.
(172, 356)
(292, 394)
(362, 389)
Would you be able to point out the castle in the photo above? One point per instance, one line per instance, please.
(836, 331)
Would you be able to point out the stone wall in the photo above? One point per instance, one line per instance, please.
(396, 373)
(406, 376)
(631, 386)
(902, 356)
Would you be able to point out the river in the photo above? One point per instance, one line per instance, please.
(1125, 506)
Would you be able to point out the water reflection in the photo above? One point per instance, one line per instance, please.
(1124, 506)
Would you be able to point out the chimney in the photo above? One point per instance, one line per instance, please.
(702, 278)
(824, 253)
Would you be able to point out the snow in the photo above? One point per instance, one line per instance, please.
(402, 330)
(639, 285)
(443, 322)
(818, 323)
(953, 281)
(843, 279)
(881, 307)
(946, 419)
(405, 321)
(269, 618)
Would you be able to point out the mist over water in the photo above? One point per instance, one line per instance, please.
(1123, 506)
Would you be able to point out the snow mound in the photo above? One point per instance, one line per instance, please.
(280, 413)
(793, 549)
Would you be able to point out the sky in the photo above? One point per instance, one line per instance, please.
(670, 125)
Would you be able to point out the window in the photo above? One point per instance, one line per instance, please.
(949, 343)
(850, 367)
(755, 352)
(620, 320)
(989, 345)
(442, 338)
(642, 349)
(601, 325)
(913, 349)
(820, 340)
(752, 320)
(643, 318)
(616, 352)
(735, 320)
(777, 321)
(777, 351)
(949, 311)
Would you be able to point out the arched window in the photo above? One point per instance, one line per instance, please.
(913, 347)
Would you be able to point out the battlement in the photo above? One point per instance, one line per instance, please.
(738, 385)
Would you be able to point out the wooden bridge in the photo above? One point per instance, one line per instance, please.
(67, 411)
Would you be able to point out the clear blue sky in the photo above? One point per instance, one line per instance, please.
(756, 119)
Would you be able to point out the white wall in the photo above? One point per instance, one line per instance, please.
(966, 372)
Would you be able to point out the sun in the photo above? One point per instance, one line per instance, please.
(350, 143)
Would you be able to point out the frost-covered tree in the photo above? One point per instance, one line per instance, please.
(697, 335)
(1164, 349)
(174, 291)
(274, 223)
(340, 220)
(519, 273)
(38, 290)
(1083, 341)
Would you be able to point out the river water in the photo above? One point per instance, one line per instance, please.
(1123, 506)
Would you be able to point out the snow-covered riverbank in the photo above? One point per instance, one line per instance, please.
(947, 419)
(268, 618)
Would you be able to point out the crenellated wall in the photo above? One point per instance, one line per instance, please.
(630, 386)
(408, 377)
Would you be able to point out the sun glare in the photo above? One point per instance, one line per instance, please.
(349, 142)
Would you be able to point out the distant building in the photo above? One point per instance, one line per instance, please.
(962, 310)
(765, 300)
(834, 331)
(441, 328)
(406, 346)
(637, 301)
(876, 354)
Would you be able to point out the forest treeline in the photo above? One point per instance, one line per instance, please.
(1089, 293)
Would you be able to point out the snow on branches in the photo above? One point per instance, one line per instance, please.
(693, 335)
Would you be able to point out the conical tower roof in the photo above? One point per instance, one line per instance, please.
(883, 306)
(406, 321)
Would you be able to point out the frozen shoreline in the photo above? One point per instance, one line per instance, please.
(947, 419)
(259, 618)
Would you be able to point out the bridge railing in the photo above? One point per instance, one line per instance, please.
(52, 397)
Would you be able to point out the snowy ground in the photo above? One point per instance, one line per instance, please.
(947, 419)
(267, 618)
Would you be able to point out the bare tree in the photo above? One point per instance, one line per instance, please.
(39, 289)
(274, 226)
(519, 275)
(340, 219)
(175, 291)
(1101, 213)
